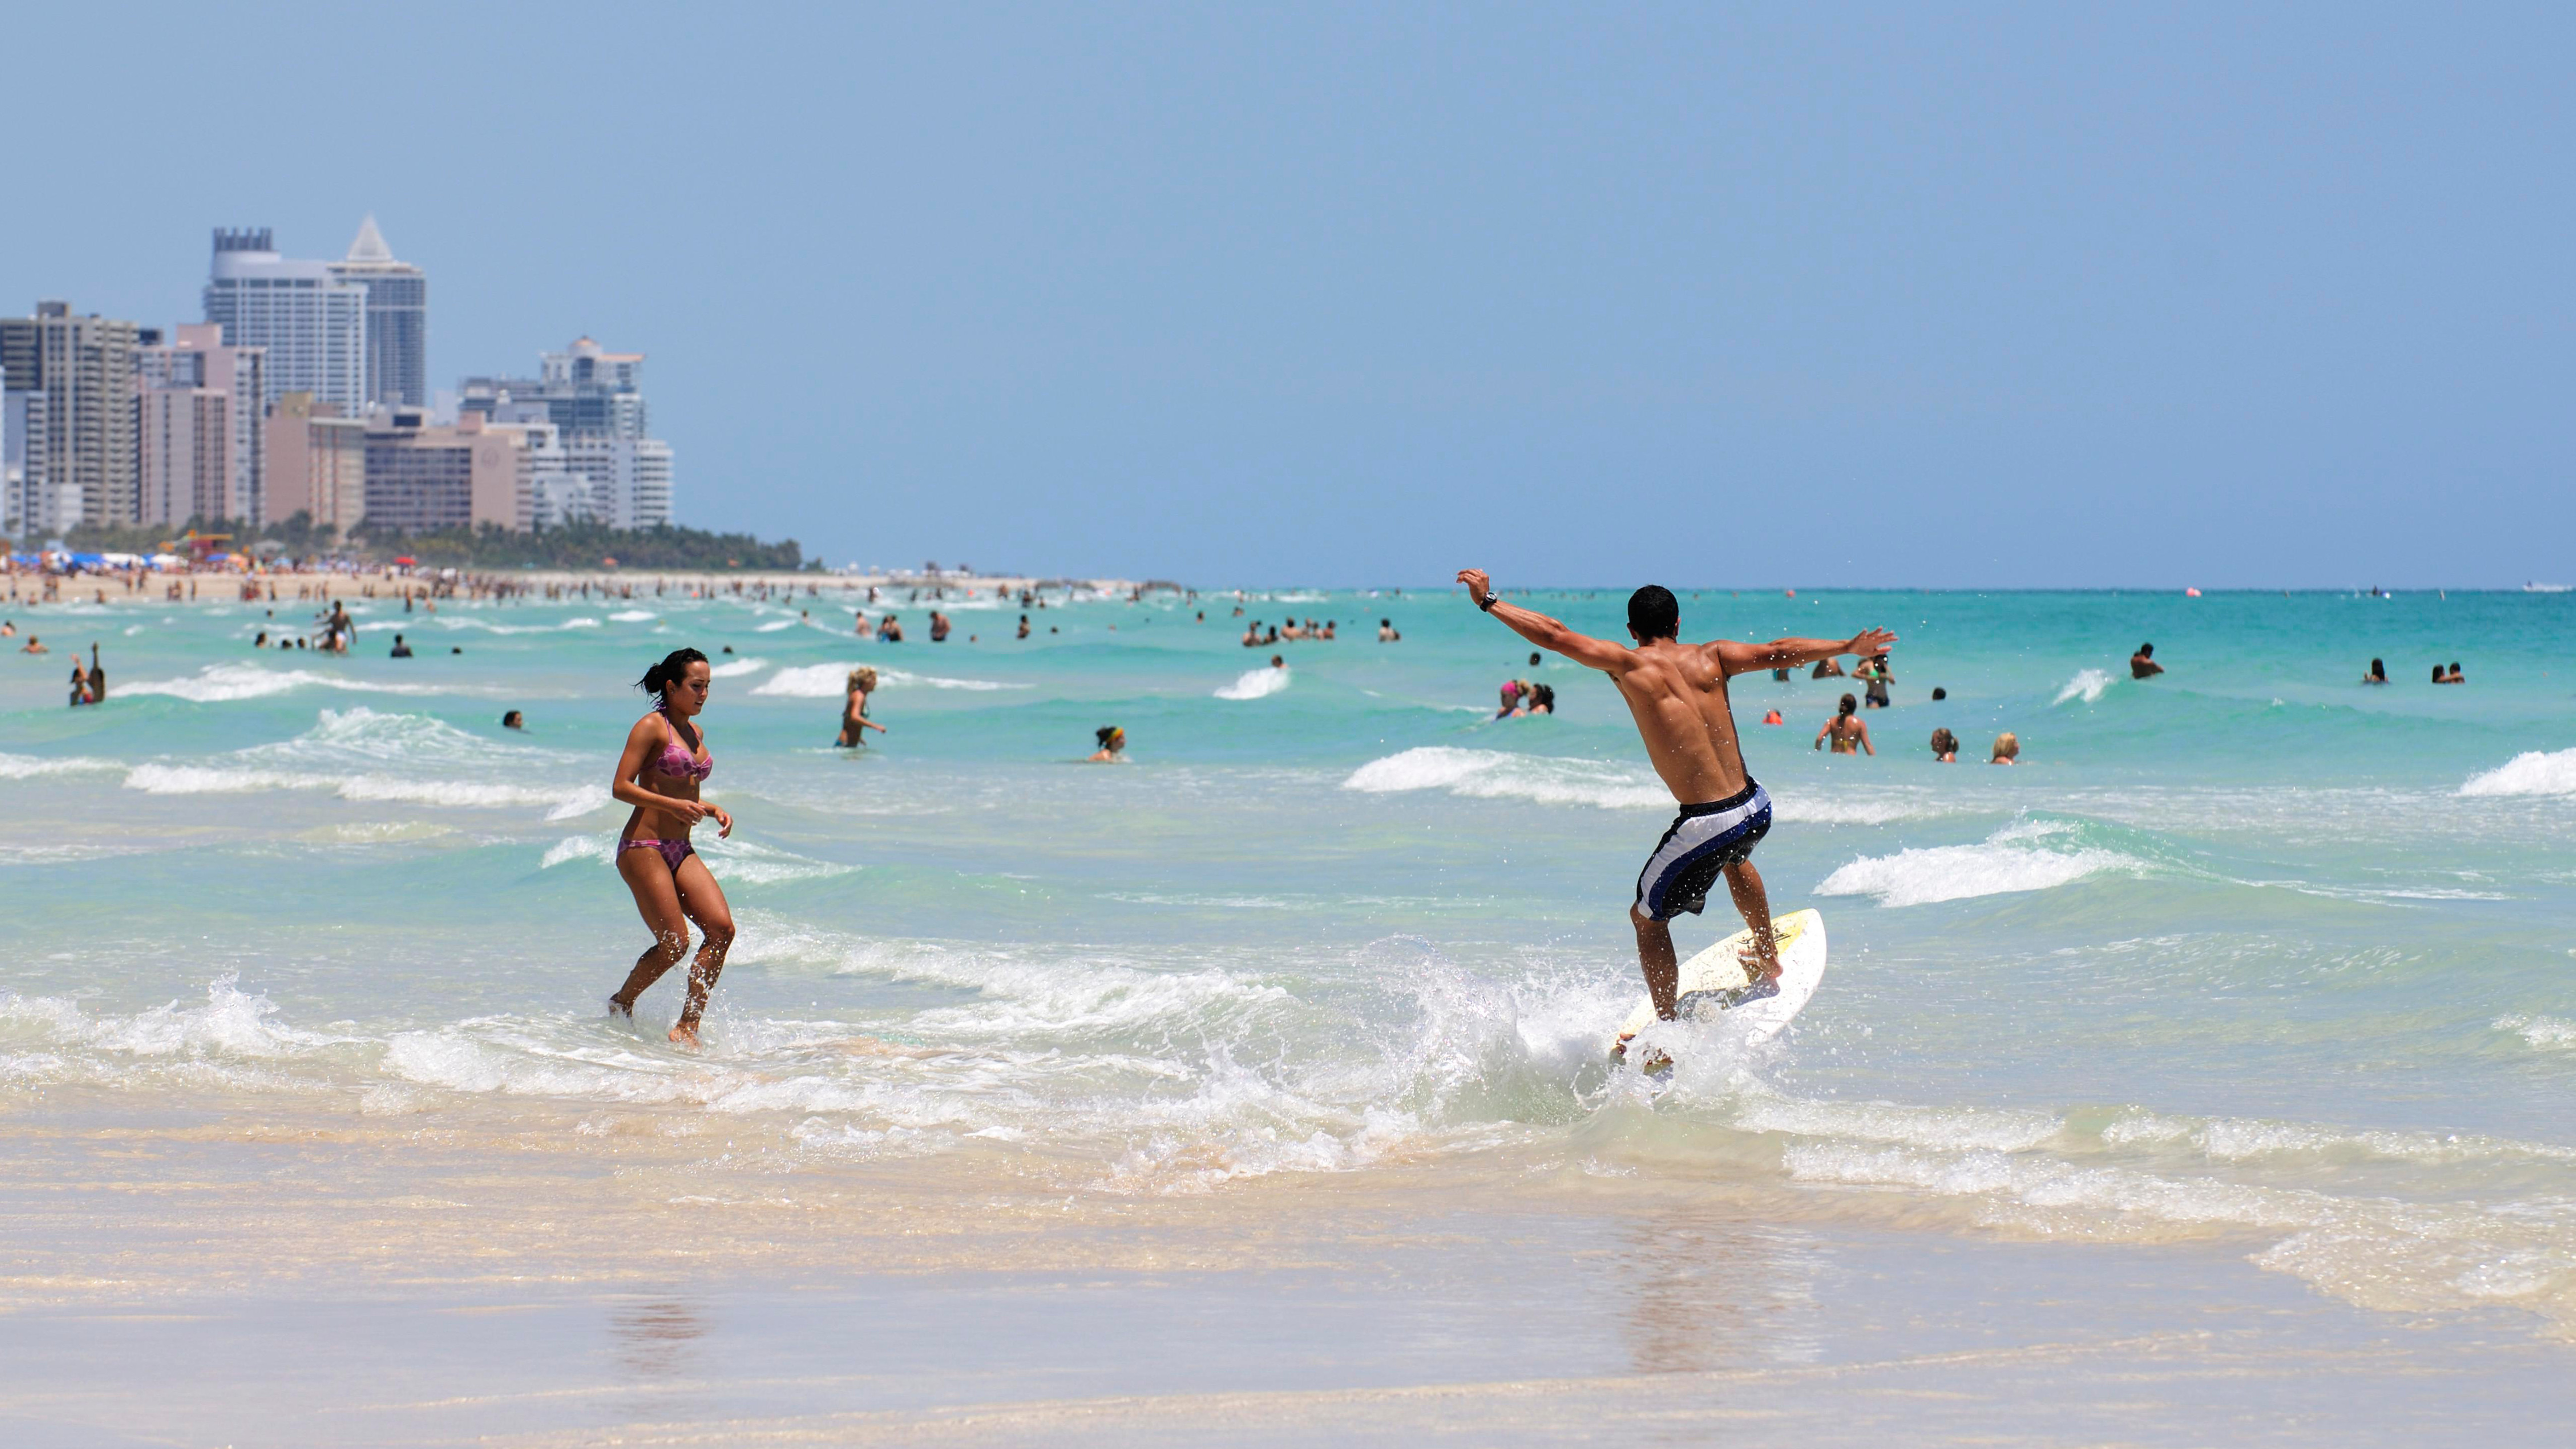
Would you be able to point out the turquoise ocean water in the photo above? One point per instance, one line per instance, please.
(2249, 949)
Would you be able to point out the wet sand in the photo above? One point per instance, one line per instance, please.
(458, 1278)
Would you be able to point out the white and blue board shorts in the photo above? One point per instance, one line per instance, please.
(1704, 840)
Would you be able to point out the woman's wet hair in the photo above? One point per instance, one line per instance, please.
(673, 668)
(2437, 674)
(2007, 746)
(1106, 733)
(1653, 613)
(863, 678)
(1944, 742)
(1850, 705)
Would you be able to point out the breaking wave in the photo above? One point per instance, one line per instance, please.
(2531, 773)
(1255, 684)
(2088, 685)
(2026, 856)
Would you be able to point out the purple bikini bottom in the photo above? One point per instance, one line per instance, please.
(671, 851)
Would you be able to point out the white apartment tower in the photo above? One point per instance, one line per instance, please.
(312, 321)
(397, 318)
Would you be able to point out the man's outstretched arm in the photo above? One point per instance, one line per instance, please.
(1740, 658)
(1541, 630)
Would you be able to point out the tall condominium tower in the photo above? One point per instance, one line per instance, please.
(71, 401)
(397, 319)
(313, 323)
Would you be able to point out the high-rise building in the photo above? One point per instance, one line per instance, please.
(595, 399)
(313, 323)
(317, 464)
(70, 382)
(197, 359)
(397, 319)
(422, 477)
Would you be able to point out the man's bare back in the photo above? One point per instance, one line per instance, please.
(1677, 694)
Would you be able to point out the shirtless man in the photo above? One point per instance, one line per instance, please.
(1677, 693)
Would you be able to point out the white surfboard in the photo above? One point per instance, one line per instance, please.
(1711, 980)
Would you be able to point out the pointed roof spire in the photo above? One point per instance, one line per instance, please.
(370, 245)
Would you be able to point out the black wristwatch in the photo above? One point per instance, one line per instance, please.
(1488, 602)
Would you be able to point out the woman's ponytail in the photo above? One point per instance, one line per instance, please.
(673, 668)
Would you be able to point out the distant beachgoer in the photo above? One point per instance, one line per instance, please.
(8, 628)
(1329, 627)
(1511, 696)
(1874, 673)
(1939, 694)
(80, 684)
(1024, 625)
(1773, 717)
(97, 676)
(1278, 662)
(1112, 739)
(2438, 676)
(1945, 747)
(665, 761)
(261, 642)
(400, 649)
(938, 627)
(2378, 673)
(34, 645)
(854, 709)
(1826, 669)
(1272, 637)
(2143, 664)
(1848, 731)
(1252, 634)
(1677, 694)
(1386, 631)
(2007, 749)
(513, 720)
(2456, 676)
(1542, 699)
(890, 631)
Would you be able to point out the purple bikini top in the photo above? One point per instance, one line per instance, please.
(675, 758)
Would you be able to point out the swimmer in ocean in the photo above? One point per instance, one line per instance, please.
(854, 709)
(1847, 730)
(1112, 741)
(1677, 695)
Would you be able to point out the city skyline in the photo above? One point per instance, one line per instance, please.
(321, 366)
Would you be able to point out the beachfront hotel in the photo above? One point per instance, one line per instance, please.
(312, 321)
(70, 385)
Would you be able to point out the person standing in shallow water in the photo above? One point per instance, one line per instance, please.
(1676, 692)
(659, 772)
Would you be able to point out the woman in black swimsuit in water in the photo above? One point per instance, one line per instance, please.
(665, 760)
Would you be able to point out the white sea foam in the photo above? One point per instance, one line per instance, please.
(28, 767)
(363, 736)
(2548, 1033)
(774, 625)
(736, 668)
(831, 681)
(1497, 775)
(2019, 857)
(632, 616)
(2088, 684)
(223, 683)
(2530, 773)
(562, 803)
(1256, 684)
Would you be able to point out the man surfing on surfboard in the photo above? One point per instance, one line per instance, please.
(1677, 692)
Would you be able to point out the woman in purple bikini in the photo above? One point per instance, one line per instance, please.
(665, 760)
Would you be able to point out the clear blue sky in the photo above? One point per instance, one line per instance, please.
(1584, 294)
